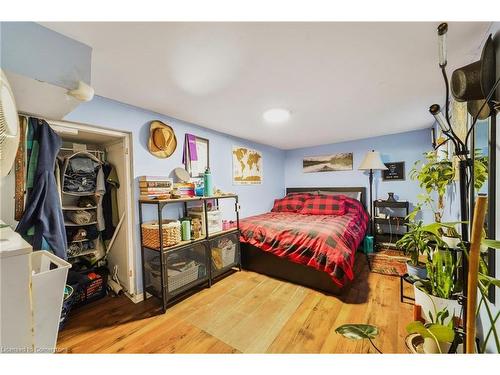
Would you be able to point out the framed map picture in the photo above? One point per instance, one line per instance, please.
(247, 166)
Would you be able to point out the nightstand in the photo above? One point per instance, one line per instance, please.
(390, 222)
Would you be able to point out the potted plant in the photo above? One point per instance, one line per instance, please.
(439, 291)
(437, 334)
(419, 240)
(451, 238)
(433, 175)
(414, 244)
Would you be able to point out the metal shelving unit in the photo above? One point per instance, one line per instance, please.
(194, 248)
(399, 221)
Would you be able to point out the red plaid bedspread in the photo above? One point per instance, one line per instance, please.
(327, 243)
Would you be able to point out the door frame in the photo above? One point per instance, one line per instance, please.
(58, 126)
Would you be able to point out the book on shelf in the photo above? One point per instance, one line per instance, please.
(152, 196)
(155, 179)
(155, 190)
(155, 184)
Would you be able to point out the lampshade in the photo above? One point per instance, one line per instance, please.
(372, 161)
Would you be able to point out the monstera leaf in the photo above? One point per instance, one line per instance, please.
(358, 331)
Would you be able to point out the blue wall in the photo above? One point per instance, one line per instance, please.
(32, 50)
(254, 199)
(407, 147)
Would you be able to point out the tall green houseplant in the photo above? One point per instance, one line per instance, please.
(433, 175)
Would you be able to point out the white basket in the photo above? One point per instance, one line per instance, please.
(214, 220)
(48, 294)
(228, 256)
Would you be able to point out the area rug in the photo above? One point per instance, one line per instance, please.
(388, 262)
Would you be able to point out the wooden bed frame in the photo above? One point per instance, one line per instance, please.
(254, 259)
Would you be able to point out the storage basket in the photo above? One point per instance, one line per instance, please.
(95, 289)
(151, 233)
(214, 220)
(223, 252)
(176, 279)
(69, 297)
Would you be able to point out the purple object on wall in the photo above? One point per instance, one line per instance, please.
(190, 143)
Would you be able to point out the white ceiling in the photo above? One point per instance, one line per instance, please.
(341, 81)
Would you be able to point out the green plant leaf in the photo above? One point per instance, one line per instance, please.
(491, 243)
(442, 333)
(358, 331)
(435, 331)
(417, 327)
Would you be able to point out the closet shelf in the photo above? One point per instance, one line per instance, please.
(71, 224)
(76, 208)
(83, 253)
(79, 241)
(79, 194)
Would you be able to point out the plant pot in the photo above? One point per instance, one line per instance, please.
(430, 346)
(451, 242)
(418, 271)
(435, 304)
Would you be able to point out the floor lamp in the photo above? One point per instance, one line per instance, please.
(372, 162)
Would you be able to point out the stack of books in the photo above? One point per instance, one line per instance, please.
(155, 187)
(185, 189)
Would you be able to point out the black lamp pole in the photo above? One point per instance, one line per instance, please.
(372, 221)
(462, 151)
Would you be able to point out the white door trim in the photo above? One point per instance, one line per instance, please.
(130, 217)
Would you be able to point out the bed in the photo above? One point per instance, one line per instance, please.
(316, 251)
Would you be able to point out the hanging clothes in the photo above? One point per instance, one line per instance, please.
(110, 200)
(43, 209)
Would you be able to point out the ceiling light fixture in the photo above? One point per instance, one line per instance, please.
(276, 115)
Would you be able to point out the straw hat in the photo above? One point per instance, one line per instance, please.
(162, 142)
(9, 126)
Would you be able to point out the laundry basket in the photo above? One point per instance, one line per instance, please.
(48, 280)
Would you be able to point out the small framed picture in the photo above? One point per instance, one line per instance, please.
(395, 171)
(196, 155)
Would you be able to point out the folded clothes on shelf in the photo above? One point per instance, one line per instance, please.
(78, 234)
(76, 248)
(82, 216)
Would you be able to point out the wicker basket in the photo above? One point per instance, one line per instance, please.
(151, 233)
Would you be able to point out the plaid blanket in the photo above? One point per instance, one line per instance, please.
(327, 243)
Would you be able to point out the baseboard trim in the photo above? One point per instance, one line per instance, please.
(136, 298)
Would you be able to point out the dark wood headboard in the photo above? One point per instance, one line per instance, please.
(340, 189)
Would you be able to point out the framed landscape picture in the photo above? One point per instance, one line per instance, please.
(327, 163)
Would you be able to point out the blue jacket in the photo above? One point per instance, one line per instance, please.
(43, 207)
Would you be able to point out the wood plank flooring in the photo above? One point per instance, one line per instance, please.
(245, 313)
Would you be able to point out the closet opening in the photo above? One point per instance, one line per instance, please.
(94, 177)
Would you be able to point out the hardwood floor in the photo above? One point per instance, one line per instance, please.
(245, 313)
